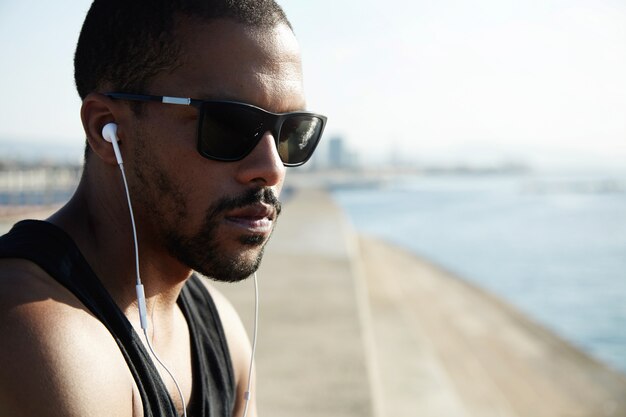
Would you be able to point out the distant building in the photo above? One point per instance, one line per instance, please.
(336, 152)
(339, 155)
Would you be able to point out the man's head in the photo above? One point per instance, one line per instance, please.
(123, 44)
(212, 216)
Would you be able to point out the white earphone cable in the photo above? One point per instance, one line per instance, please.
(132, 221)
(180, 392)
(141, 299)
(254, 338)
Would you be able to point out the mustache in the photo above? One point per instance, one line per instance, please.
(250, 197)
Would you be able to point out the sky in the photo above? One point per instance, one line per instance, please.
(450, 81)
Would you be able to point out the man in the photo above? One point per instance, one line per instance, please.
(203, 178)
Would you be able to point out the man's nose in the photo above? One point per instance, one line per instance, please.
(263, 164)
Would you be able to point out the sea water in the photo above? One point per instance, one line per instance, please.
(553, 246)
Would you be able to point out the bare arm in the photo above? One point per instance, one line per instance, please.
(55, 358)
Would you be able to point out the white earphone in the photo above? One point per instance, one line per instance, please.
(109, 133)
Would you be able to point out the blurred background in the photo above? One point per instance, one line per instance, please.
(488, 83)
(487, 136)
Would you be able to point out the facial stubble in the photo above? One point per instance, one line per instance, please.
(202, 251)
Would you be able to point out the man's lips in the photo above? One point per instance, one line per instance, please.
(257, 218)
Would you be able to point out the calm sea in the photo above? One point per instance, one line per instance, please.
(553, 246)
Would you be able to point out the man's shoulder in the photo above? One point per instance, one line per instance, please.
(34, 307)
(237, 339)
(52, 348)
(24, 285)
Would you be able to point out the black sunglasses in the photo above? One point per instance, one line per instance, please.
(229, 131)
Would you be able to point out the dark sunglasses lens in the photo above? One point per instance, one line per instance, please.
(298, 138)
(229, 131)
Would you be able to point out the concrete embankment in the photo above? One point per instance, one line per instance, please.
(352, 326)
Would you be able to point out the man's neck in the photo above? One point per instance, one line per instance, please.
(102, 231)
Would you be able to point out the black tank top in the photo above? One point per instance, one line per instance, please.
(213, 391)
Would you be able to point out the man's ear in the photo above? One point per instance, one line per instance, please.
(98, 110)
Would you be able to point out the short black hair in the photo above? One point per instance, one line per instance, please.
(124, 43)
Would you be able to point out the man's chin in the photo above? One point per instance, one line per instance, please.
(253, 240)
(236, 268)
(232, 277)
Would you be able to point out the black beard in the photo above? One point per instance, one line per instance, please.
(201, 251)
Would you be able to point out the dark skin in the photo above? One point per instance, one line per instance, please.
(54, 352)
